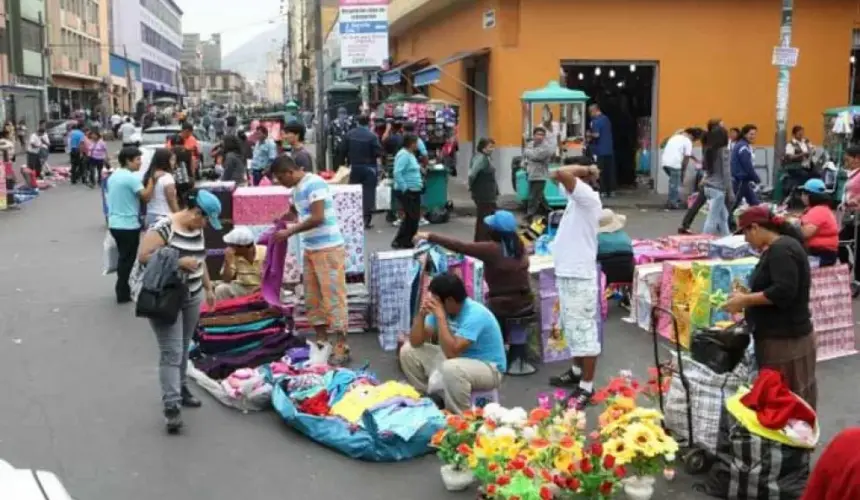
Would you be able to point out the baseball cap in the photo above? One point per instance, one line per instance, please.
(501, 221)
(815, 186)
(758, 214)
(209, 204)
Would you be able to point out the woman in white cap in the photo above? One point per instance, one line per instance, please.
(614, 248)
(243, 265)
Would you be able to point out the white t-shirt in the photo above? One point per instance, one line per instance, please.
(677, 148)
(158, 204)
(126, 131)
(115, 120)
(575, 244)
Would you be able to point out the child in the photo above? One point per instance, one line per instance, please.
(97, 153)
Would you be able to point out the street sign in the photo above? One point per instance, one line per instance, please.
(363, 27)
(785, 56)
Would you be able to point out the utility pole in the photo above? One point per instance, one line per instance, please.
(46, 53)
(319, 134)
(782, 86)
(128, 80)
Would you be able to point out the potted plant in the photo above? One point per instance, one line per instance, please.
(454, 447)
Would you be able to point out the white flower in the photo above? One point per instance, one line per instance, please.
(494, 411)
(515, 416)
(670, 457)
(628, 374)
(506, 432)
(530, 433)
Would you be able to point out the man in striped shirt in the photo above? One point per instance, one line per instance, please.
(324, 261)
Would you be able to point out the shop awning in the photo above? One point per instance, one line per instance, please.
(431, 75)
(394, 75)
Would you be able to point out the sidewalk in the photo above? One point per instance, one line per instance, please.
(625, 199)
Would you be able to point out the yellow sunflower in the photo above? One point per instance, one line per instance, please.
(619, 449)
(641, 439)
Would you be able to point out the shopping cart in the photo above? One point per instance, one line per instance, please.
(850, 217)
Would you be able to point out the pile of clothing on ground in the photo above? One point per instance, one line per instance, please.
(352, 412)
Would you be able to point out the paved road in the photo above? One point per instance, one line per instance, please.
(79, 392)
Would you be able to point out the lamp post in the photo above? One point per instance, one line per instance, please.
(782, 86)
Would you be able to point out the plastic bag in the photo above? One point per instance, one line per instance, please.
(318, 355)
(383, 196)
(111, 255)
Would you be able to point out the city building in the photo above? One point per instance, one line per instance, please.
(77, 35)
(211, 50)
(221, 87)
(191, 52)
(124, 56)
(274, 82)
(161, 48)
(302, 34)
(714, 62)
(23, 62)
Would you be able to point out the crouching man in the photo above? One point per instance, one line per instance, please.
(458, 337)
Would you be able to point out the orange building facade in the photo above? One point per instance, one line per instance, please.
(712, 59)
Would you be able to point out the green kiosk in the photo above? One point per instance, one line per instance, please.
(572, 103)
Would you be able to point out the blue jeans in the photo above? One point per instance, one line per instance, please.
(674, 185)
(717, 221)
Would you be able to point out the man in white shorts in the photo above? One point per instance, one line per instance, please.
(575, 257)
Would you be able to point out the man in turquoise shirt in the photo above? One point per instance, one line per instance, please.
(457, 337)
(408, 185)
(125, 192)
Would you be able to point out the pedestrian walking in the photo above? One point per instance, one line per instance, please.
(265, 152)
(537, 155)
(744, 176)
(76, 140)
(677, 155)
(165, 200)
(483, 186)
(408, 185)
(96, 158)
(717, 183)
(34, 152)
(362, 150)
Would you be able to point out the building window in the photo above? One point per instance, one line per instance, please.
(31, 36)
(154, 72)
(152, 38)
(163, 13)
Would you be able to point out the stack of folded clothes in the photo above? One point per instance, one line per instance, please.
(245, 332)
(358, 308)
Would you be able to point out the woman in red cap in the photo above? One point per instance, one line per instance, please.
(777, 305)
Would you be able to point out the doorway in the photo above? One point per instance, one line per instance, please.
(626, 92)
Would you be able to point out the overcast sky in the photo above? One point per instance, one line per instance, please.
(234, 19)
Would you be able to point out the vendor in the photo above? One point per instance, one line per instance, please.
(468, 351)
(506, 264)
(818, 223)
(614, 248)
(243, 265)
(850, 205)
(777, 306)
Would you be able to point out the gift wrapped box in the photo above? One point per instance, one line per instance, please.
(645, 293)
(676, 286)
(259, 205)
(832, 314)
(223, 190)
(391, 277)
(729, 277)
(730, 247)
(689, 244)
(701, 303)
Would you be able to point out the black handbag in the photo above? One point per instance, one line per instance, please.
(163, 305)
(720, 349)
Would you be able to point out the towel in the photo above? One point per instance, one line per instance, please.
(273, 267)
(774, 403)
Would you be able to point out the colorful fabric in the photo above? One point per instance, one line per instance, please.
(325, 288)
(578, 315)
(310, 190)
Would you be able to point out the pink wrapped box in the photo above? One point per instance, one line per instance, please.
(259, 205)
(689, 244)
(832, 314)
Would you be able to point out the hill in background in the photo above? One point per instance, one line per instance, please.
(249, 59)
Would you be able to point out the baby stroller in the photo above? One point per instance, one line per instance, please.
(705, 377)
(848, 234)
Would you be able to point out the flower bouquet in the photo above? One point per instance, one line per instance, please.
(453, 447)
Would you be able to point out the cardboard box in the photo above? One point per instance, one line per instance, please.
(730, 247)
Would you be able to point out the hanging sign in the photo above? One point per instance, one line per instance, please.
(785, 56)
(363, 27)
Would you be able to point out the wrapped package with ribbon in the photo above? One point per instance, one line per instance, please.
(702, 299)
(675, 295)
(730, 247)
(689, 244)
(645, 293)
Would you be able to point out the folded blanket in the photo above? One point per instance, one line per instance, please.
(240, 317)
(244, 328)
(272, 349)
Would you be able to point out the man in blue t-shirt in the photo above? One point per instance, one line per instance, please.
(76, 138)
(459, 338)
(603, 148)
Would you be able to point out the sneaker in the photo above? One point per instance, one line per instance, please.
(172, 419)
(188, 399)
(682, 230)
(339, 354)
(423, 222)
(566, 379)
(580, 399)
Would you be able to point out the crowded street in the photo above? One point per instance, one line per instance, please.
(81, 380)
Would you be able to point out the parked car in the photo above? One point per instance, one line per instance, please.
(57, 130)
(157, 136)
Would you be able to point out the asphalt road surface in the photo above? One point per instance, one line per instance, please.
(79, 392)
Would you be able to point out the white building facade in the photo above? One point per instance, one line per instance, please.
(160, 33)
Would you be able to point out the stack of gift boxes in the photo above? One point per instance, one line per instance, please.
(694, 287)
(258, 207)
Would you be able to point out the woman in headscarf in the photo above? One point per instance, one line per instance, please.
(777, 304)
(506, 265)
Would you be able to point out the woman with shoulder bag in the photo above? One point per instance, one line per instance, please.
(182, 231)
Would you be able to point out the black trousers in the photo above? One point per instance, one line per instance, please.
(608, 175)
(366, 176)
(76, 162)
(536, 203)
(847, 234)
(410, 203)
(127, 241)
(34, 162)
(694, 210)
